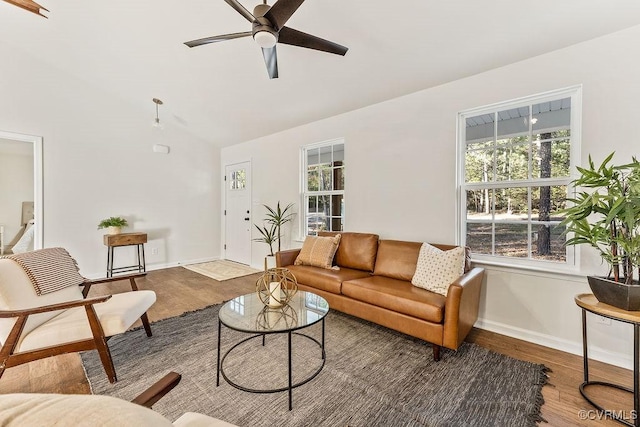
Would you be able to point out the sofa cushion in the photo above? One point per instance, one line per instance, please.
(397, 259)
(318, 251)
(397, 295)
(356, 250)
(326, 280)
(437, 269)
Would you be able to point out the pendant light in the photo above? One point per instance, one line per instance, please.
(156, 122)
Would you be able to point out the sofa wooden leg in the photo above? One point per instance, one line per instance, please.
(436, 352)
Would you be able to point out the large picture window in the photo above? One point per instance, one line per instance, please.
(516, 163)
(323, 187)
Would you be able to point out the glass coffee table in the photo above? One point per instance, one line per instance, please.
(248, 314)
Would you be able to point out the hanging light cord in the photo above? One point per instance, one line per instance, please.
(158, 104)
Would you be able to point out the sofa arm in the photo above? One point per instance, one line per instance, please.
(461, 307)
(284, 258)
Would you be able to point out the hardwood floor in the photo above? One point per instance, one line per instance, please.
(180, 290)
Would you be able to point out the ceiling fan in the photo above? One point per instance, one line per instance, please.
(268, 29)
(29, 5)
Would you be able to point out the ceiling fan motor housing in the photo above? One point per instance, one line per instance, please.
(261, 23)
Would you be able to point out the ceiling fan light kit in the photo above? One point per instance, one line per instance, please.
(265, 39)
(268, 29)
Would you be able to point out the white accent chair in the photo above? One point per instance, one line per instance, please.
(45, 410)
(34, 327)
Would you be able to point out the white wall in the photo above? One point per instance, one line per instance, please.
(400, 175)
(16, 186)
(98, 162)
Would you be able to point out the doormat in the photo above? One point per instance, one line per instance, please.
(222, 269)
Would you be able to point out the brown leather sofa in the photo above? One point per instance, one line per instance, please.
(374, 283)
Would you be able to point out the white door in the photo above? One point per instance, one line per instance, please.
(238, 213)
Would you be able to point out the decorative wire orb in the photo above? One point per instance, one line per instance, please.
(284, 317)
(276, 287)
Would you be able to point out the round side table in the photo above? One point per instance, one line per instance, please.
(588, 302)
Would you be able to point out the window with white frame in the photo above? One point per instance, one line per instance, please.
(516, 160)
(323, 187)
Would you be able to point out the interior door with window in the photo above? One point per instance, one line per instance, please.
(238, 212)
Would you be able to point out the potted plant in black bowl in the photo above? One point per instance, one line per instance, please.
(607, 217)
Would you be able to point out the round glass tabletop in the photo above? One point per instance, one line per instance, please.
(247, 313)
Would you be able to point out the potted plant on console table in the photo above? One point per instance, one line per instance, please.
(113, 224)
(608, 219)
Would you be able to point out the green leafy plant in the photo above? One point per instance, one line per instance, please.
(114, 221)
(608, 217)
(271, 231)
(268, 235)
(278, 217)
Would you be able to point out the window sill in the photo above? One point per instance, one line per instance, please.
(541, 271)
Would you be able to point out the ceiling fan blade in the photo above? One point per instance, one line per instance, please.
(298, 38)
(241, 10)
(281, 11)
(214, 39)
(29, 5)
(271, 61)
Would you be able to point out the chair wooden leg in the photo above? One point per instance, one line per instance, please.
(436, 352)
(101, 344)
(145, 323)
(11, 343)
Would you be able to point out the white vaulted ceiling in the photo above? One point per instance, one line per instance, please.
(220, 92)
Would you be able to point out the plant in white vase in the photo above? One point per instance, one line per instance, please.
(114, 224)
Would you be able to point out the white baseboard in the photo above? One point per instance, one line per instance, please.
(158, 266)
(595, 353)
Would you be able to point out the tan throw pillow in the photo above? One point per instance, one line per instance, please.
(437, 269)
(318, 251)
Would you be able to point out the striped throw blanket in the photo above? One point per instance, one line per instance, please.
(49, 269)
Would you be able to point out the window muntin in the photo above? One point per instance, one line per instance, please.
(516, 161)
(238, 180)
(323, 187)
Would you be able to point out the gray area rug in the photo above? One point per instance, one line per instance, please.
(372, 377)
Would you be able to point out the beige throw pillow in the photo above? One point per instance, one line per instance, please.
(437, 269)
(318, 251)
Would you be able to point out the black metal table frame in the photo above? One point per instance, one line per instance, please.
(141, 267)
(636, 372)
(289, 333)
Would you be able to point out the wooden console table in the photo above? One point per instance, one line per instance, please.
(112, 241)
(588, 302)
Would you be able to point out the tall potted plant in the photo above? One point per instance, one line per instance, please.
(279, 217)
(271, 230)
(607, 218)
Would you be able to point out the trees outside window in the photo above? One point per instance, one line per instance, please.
(516, 159)
(323, 187)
